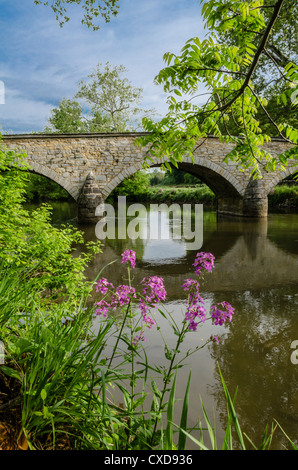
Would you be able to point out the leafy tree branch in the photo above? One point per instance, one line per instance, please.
(227, 65)
(93, 9)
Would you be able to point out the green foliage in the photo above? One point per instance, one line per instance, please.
(225, 69)
(199, 195)
(112, 105)
(40, 188)
(93, 9)
(133, 187)
(284, 197)
(27, 239)
(156, 177)
(281, 49)
(178, 177)
(67, 118)
(112, 97)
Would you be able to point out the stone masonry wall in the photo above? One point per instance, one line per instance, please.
(110, 158)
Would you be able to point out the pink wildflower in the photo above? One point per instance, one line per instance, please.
(191, 284)
(154, 290)
(214, 339)
(103, 308)
(153, 293)
(138, 338)
(204, 261)
(149, 321)
(103, 286)
(129, 256)
(122, 296)
(196, 311)
(221, 315)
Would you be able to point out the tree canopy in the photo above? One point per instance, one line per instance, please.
(113, 104)
(112, 96)
(66, 118)
(93, 10)
(227, 64)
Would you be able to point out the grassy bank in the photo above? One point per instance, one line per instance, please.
(170, 194)
(283, 197)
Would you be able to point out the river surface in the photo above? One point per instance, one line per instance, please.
(256, 271)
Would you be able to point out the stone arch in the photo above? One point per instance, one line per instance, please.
(218, 178)
(215, 175)
(278, 177)
(52, 175)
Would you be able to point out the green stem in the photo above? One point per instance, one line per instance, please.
(166, 380)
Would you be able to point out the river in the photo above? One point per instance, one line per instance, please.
(256, 271)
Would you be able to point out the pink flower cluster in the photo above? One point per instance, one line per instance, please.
(221, 315)
(196, 311)
(138, 338)
(103, 286)
(154, 292)
(203, 261)
(120, 297)
(129, 256)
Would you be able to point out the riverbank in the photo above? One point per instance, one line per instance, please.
(284, 197)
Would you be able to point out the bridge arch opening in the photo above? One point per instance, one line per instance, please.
(43, 188)
(283, 194)
(228, 193)
(285, 177)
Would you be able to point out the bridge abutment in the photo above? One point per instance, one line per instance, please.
(230, 206)
(89, 198)
(255, 200)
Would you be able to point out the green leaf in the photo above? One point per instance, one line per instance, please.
(284, 98)
(170, 416)
(11, 372)
(183, 420)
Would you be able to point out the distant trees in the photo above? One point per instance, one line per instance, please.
(113, 104)
(67, 118)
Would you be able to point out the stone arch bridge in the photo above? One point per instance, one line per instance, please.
(90, 166)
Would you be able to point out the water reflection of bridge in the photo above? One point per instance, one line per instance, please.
(246, 258)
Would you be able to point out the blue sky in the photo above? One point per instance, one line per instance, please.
(41, 63)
